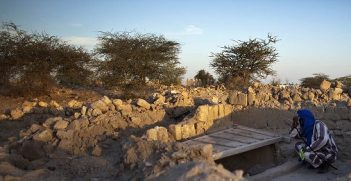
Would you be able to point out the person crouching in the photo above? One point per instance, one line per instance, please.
(318, 147)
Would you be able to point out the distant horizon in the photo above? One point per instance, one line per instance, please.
(315, 35)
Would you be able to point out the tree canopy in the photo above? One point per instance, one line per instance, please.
(314, 81)
(245, 61)
(33, 62)
(204, 78)
(133, 58)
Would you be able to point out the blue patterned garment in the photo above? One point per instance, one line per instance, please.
(308, 124)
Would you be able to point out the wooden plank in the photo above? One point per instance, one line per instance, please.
(228, 136)
(244, 138)
(248, 134)
(229, 142)
(256, 131)
(245, 148)
(218, 141)
(216, 148)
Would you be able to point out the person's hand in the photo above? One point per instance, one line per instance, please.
(301, 154)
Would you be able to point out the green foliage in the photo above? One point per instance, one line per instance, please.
(132, 59)
(205, 78)
(245, 61)
(314, 81)
(31, 63)
(346, 80)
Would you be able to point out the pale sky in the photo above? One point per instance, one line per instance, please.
(315, 35)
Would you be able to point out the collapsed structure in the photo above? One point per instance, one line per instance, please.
(141, 138)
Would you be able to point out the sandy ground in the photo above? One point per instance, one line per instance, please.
(304, 173)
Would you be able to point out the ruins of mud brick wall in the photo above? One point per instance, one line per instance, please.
(262, 106)
(78, 127)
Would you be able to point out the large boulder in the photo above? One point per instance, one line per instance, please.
(325, 85)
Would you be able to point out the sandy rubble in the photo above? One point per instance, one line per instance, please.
(113, 139)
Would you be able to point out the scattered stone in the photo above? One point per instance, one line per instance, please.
(44, 136)
(296, 98)
(117, 102)
(51, 121)
(55, 105)
(61, 124)
(325, 85)
(142, 103)
(339, 84)
(83, 110)
(16, 113)
(74, 104)
(151, 134)
(96, 112)
(3, 117)
(100, 105)
(106, 100)
(136, 120)
(27, 106)
(43, 104)
(76, 115)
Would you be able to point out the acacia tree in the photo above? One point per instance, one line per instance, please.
(31, 63)
(205, 78)
(132, 58)
(245, 61)
(314, 81)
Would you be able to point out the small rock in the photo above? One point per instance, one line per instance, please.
(325, 85)
(3, 117)
(27, 106)
(61, 124)
(101, 105)
(83, 111)
(338, 84)
(96, 112)
(117, 102)
(151, 134)
(76, 115)
(136, 120)
(143, 103)
(44, 136)
(16, 114)
(74, 104)
(55, 104)
(43, 104)
(50, 121)
(106, 100)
